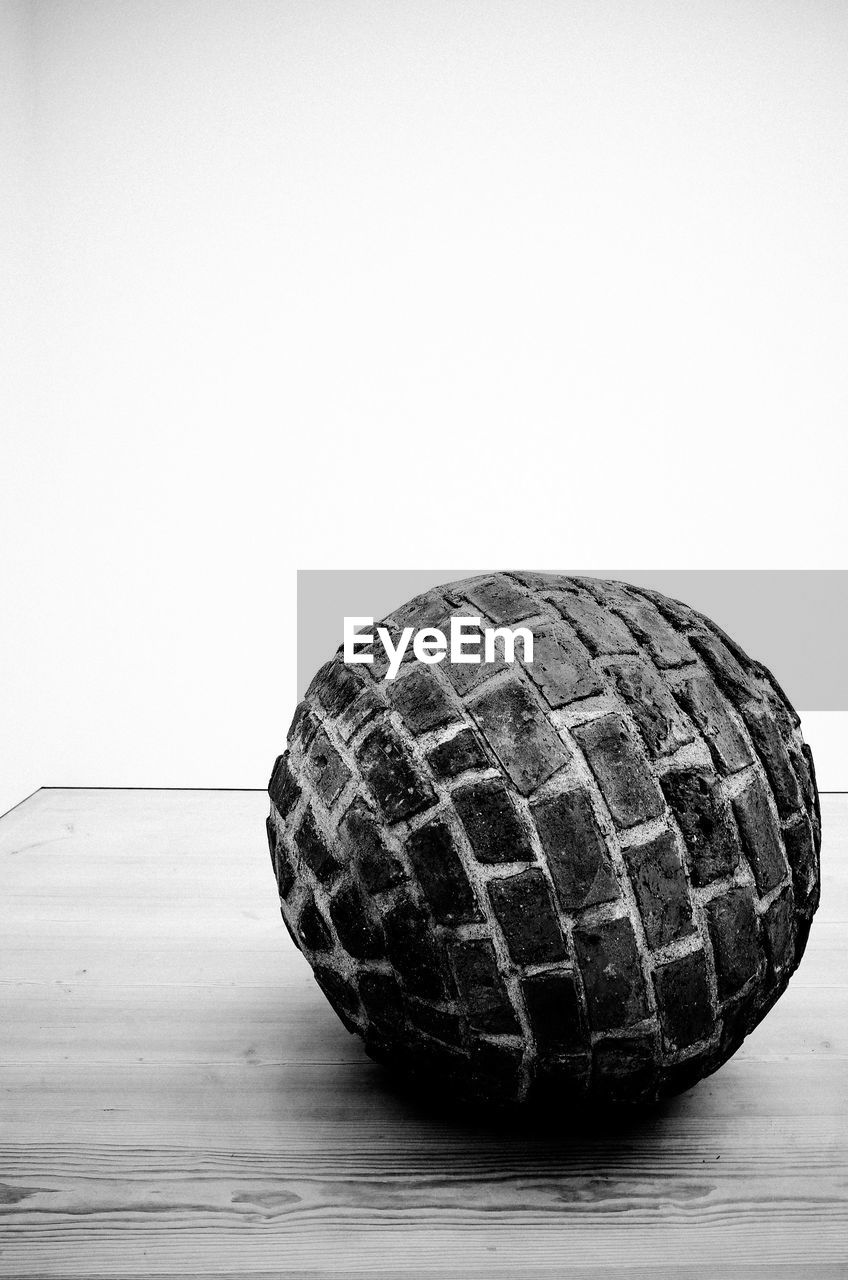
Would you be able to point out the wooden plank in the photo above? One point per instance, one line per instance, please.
(293, 1202)
(178, 1098)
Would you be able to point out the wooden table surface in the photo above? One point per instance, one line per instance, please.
(179, 1099)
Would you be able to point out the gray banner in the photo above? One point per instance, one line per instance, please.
(793, 620)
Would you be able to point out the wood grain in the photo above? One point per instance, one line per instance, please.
(178, 1099)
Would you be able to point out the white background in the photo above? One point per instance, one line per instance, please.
(308, 285)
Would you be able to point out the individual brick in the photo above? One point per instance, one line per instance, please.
(751, 668)
(379, 666)
(481, 987)
(365, 707)
(464, 676)
(779, 696)
(682, 1075)
(523, 740)
(626, 1068)
(802, 766)
(727, 745)
(313, 849)
(543, 582)
(612, 974)
(621, 770)
(441, 874)
(382, 999)
(577, 853)
(803, 860)
(340, 993)
(280, 860)
(695, 798)
(599, 629)
(357, 929)
(683, 999)
(680, 615)
(413, 950)
(461, 752)
(271, 833)
(729, 675)
(283, 788)
(667, 647)
(491, 823)
(606, 591)
(760, 836)
(501, 599)
(292, 932)
(326, 770)
(775, 757)
(662, 894)
(360, 836)
(803, 921)
(561, 666)
(553, 1007)
(739, 1017)
(313, 928)
(420, 700)
(335, 686)
(784, 717)
(423, 610)
(657, 715)
(303, 727)
(526, 915)
(778, 926)
(733, 933)
(439, 1023)
(390, 771)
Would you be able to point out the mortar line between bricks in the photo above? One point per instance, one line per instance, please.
(586, 710)
(687, 944)
(735, 783)
(693, 755)
(643, 832)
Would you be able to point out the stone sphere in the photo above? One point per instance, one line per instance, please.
(581, 878)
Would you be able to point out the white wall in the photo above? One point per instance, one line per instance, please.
(341, 284)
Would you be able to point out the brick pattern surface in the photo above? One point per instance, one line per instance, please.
(589, 874)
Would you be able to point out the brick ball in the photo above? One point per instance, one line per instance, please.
(585, 877)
